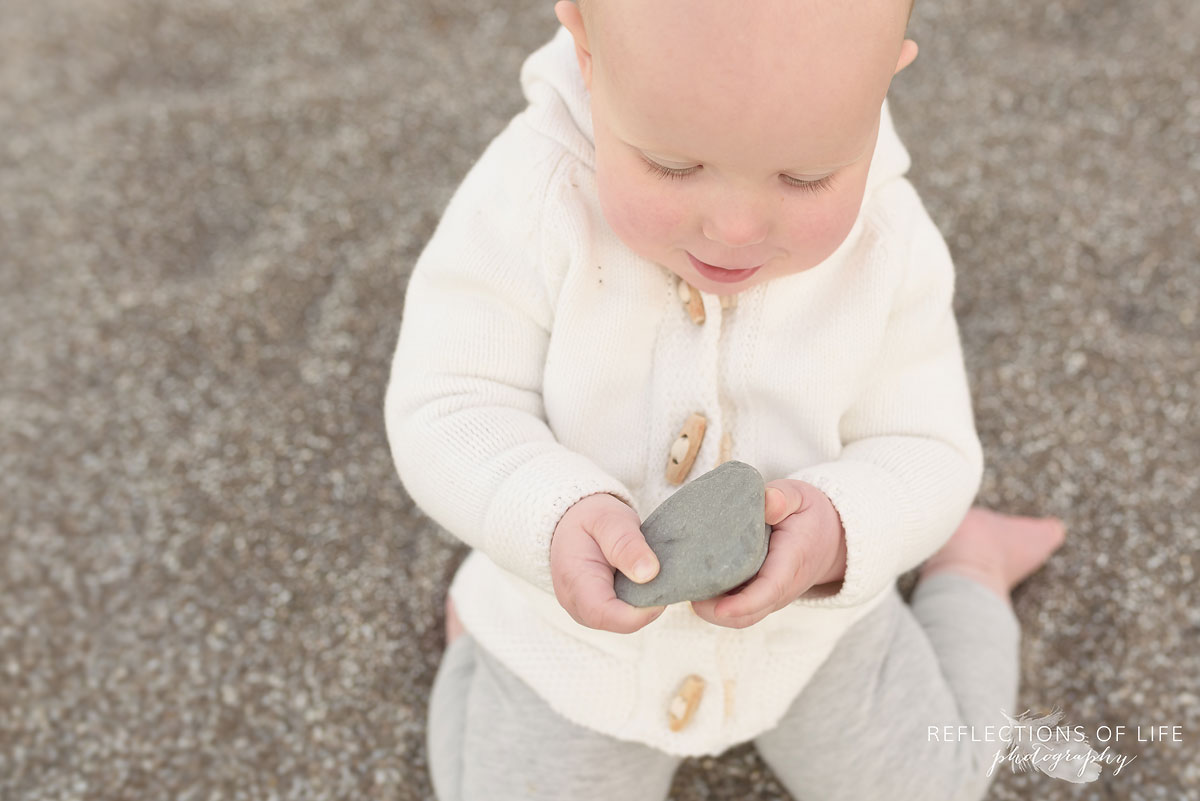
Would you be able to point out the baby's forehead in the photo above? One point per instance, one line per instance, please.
(769, 50)
(733, 71)
(757, 25)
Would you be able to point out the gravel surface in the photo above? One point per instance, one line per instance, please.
(214, 585)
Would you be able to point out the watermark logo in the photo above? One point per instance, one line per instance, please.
(1042, 743)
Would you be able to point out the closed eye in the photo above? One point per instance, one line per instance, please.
(813, 187)
(667, 172)
(820, 185)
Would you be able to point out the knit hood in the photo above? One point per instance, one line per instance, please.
(560, 107)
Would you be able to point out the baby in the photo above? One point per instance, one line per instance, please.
(697, 244)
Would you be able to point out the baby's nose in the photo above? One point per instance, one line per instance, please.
(735, 227)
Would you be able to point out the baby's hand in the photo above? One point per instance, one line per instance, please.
(598, 533)
(807, 547)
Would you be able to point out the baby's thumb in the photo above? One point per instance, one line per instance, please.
(625, 547)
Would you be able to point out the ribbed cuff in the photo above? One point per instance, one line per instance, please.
(529, 504)
(870, 508)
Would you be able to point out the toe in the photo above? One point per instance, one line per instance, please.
(1060, 528)
(454, 626)
(1054, 530)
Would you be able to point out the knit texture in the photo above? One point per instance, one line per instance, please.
(540, 361)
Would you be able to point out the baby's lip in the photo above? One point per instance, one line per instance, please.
(725, 267)
(721, 275)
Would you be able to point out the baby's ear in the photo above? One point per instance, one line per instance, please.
(572, 19)
(908, 52)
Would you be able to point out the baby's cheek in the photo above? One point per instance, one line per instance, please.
(835, 224)
(825, 228)
(645, 222)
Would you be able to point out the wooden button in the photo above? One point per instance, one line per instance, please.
(690, 297)
(684, 704)
(684, 449)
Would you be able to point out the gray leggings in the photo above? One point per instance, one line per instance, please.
(859, 729)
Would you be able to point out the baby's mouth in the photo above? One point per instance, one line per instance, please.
(722, 274)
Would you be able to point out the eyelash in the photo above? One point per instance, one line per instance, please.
(812, 187)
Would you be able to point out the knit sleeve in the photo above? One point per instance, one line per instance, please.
(911, 461)
(463, 407)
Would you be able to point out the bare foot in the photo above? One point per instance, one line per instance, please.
(1000, 551)
(454, 626)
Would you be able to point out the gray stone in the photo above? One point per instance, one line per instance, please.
(709, 537)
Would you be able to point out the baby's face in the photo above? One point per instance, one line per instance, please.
(736, 136)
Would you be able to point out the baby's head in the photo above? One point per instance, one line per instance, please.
(737, 134)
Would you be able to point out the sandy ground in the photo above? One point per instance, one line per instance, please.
(214, 585)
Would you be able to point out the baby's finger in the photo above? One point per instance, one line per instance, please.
(704, 611)
(778, 581)
(624, 546)
(595, 604)
(782, 498)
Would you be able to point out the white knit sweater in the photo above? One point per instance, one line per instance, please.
(540, 360)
